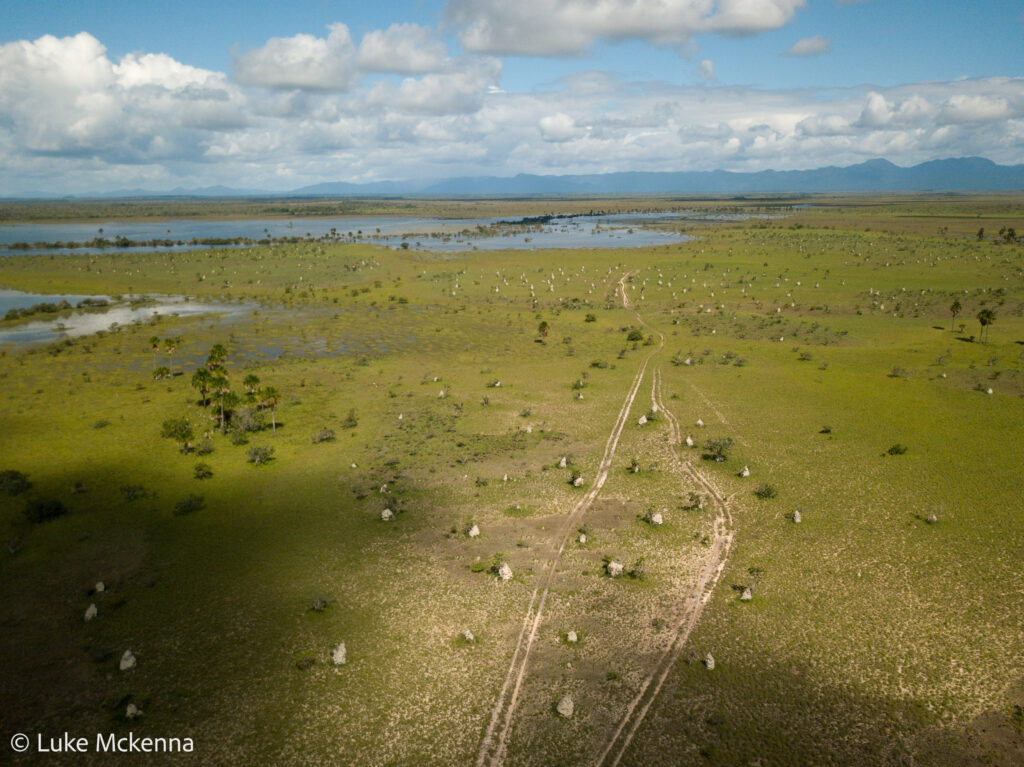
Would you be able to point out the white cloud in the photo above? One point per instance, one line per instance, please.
(810, 46)
(72, 119)
(302, 61)
(458, 91)
(64, 97)
(558, 127)
(706, 69)
(970, 108)
(566, 27)
(402, 49)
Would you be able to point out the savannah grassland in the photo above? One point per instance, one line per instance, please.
(817, 340)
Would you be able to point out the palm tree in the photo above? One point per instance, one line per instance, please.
(154, 343)
(170, 344)
(269, 397)
(222, 395)
(251, 384)
(954, 309)
(217, 357)
(986, 317)
(202, 380)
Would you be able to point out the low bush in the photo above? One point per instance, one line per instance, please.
(44, 509)
(189, 505)
(13, 482)
(323, 435)
(260, 454)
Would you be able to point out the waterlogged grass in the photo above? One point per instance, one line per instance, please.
(875, 633)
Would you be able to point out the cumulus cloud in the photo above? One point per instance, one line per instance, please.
(72, 119)
(567, 27)
(810, 46)
(558, 127)
(970, 108)
(64, 97)
(402, 49)
(460, 90)
(706, 69)
(302, 61)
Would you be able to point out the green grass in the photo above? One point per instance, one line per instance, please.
(873, 635)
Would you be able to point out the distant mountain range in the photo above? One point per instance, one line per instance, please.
(967, 174)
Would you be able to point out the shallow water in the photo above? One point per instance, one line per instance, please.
(436, 234)
(74, 323)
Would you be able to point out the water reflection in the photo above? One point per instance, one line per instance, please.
(74, 323)
(437, 234)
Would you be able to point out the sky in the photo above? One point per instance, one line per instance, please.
(106, 95)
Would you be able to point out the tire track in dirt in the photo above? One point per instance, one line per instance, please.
(693, 604)
(491, 750)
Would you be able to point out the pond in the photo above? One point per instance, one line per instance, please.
(73, 323)
(436, 234)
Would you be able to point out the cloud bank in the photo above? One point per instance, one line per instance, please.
(399, 105)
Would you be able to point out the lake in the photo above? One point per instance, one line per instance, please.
(620, 230)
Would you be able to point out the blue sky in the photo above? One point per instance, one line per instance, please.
(104, 95)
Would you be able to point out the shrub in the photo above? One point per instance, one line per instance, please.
(350, 421)
(717, 449)
(133, 492)
(260, 454)
(590, 318)
(323, 435)
(189, 505)
(600, 364)
(179, 430)
(765, 491)
(694, 501)
(43, 509)
(637, 571)
(205, 446)
(101, 424)
(203, 471)
(897, 449)
(248, 419)
(13, 482)
(635, 335)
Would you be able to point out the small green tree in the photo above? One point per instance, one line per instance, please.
(717, 449)
(955, 308)
(543, 329)
(180, 430)
(13, 482)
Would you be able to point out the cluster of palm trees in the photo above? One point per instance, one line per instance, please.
(211, 380)
(986, 318)
(169, 346)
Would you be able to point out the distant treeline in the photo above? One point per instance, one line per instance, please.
(52, 308)
(124, 242)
